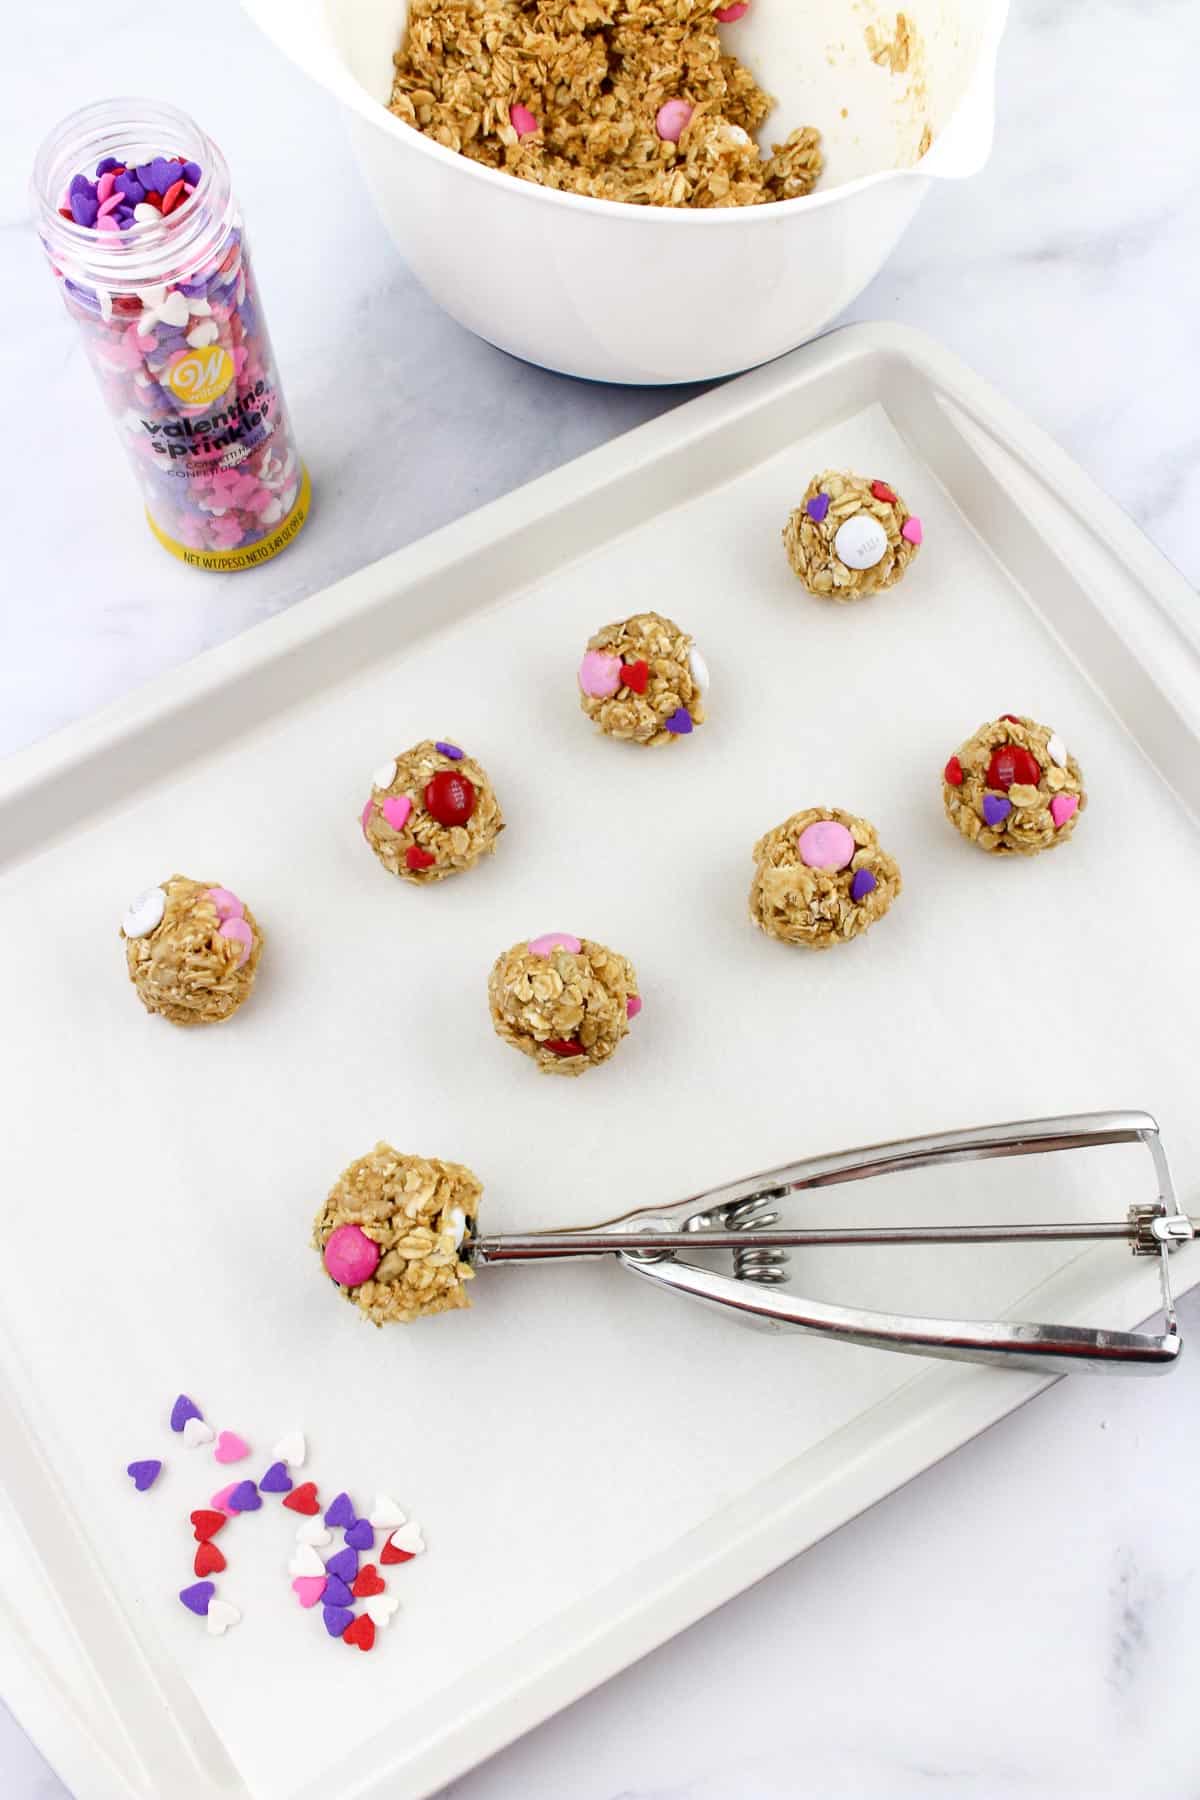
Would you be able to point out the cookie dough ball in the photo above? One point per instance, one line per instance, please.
(643, 679)
(395, 1235)
(192, 949)
(1014, 786)
(432, 813)
(563, 1000)
(850, 536)
(821, 879)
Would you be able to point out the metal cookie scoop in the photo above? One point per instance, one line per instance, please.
(743, 1218)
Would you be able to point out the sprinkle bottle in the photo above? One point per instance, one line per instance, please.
(137, 216)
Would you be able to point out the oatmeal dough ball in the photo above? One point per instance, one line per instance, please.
(821, 879)
(643, 679)
(432, 813)
(192, 949)
(850, 536)
(1014, 786)
(392, 1235)
(563, 1000)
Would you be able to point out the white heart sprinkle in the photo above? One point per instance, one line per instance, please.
(861, 541)
(198, 306)
(385, 1515)
(698, 669)
(197, 1431)
(202, 334)
(174, 309)
(305, 1561)
(408, 1538)
(271, 512)
(144, 913)
(1057, 751)
(312, 1531)
(220, 1616)
(380, 1609)
(151, 297)
(291, 1450)
(384, 775)
(144, 213)
(105, 299)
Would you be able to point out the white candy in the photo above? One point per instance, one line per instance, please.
(220, 1616)
(144, 913)
(861, 541)
(698, 669)
(1057, 751)
(458, 1224)
(204, 333)
(384, 775)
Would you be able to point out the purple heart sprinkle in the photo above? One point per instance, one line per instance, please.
(244, 1498)
(196, 1598)
(129, 185)
(183, 1410)
(102, 168)
(144, 1474)
(83, 209)
(680, 722)
(996, 809)
(336, 1620)
(191, 172)
(864, 883)
(276, 1480)
(341, 1511)
(81, 185)
(344, 1565)
(361, 1535)
(450, 750)
(817, 507)
(337, 1593)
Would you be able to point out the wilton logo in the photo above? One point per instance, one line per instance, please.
(201, 376)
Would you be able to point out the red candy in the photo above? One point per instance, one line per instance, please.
(303, 1499)
(361, 1633)
(209, 1561)
(449, 798)
(208, 1523)
(1011, 717)
(368, 1581)
(416, 858)
(635, 676)
(953, 772)
(882, 491)
(1011, 764)
(563, 1047)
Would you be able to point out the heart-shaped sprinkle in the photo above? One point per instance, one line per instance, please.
(381, 1610)
(337, 1618)
(196, 1432)
(340, 1511)
(863, 883)
(417, 859)
(384, 775)
(995, 809)
(817, 508)
(203, 334)
(633, 1006)
(361, 1633)
(305, 1561)
(344, 1565)
(911, 529)
(1057, 751)
(231, 1448)
(361, 1535)
(245, 1498)
(404, 1544)
(221, 1615)
(207, 1524)
(276, 1480)
(291, 1450)
(635, 676)
(209, 1560)
(337, 1593)
(450, 750)
(144, 1474)
(197, 1599)
(953, 772)
(183, 1410)
(396, 809)
(304, 1498)
(221, 1498)
(308, 1589)
(882, 491)
(385, 1515)
(311, 1531)
(1062, 808)
(368, 1581)
(680, 722)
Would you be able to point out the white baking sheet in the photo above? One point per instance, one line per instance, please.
(594, 1464)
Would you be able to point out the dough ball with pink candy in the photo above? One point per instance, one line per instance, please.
(821, 878)
(192, 950)
(643, 679)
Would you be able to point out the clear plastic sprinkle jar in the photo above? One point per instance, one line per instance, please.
(171, 321)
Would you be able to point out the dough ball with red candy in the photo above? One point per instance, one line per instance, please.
(564, 1001)
(432, 813)
(1014, 788)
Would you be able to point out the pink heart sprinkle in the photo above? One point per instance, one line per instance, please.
(1062, 808)
(633, 1006)
(240, 933)
(367, 810)
(911, 529)
(227, 904)
(396, 809)
(231, 1448)
(105, 185)
(309, 1588)
(220, 1502)
(554, 940)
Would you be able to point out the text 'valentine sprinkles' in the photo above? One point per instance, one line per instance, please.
(150, 254)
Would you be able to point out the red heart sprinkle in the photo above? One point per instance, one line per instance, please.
(416, 858)
(360, 1632)
(392, 1554)
(172, 197)
(64, 212)
(126, 303)
(208, 1523)
(209, 1561)
(882, 491)
(303, 1499)
(953, 772)
(367, 1582)
(635, 676)
(563, 1046)
(153, 197)
(1011, 717)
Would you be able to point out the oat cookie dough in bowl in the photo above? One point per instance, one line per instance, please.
(563, 1001)
(821, 878)
(391, 1231)
(512, 157)
(1014, 788)
(192, 949)
(644, 680)
(432, 812)
(851, 536)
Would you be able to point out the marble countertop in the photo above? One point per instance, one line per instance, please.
(1017, 1622)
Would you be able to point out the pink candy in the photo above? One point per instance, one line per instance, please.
(554, 940)
(351, 1257)
(239, 932)
(672, 120)
(729, 15)
(522, 121)
(633, 1006)
(825, 845)
(227, 904)
(600, 674)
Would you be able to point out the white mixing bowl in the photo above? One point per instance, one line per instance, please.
(659, 294)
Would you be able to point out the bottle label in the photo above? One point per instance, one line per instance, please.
(248, 555)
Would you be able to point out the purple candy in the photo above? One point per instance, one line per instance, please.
(244, 1498)
(361, 1535)
(344, 1565)
(450, 750)
(817, 507)
(336, 1619)
(276, 1480)
(196, 1598)
(996, 809)
(337, 1593)
(183, 1410)
(864, 883)
(144, 1474)
(680, 722)
(341, 1511)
